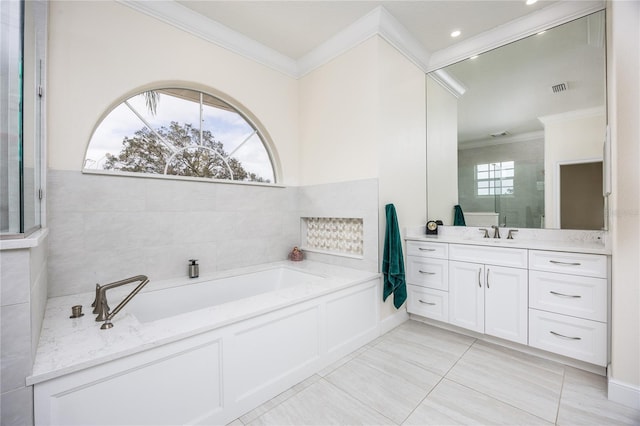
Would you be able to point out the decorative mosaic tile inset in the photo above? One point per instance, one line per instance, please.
(340, 235)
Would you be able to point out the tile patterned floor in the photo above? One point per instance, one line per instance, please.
(421, 375)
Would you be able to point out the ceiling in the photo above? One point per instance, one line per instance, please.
(295, 28)
(296, 36)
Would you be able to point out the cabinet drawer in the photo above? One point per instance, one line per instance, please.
(574, 295)
(512, 257)
(592, 265)
(433, 273)
(573, 337)
(428, 303)
(427, 249)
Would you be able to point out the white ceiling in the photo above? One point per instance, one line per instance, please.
(294, 28)
(296, 36)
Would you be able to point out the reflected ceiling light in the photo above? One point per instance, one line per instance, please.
(473, 57)
(541, 32)
(530, 2)
(456, 33)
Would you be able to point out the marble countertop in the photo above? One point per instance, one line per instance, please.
(67, 345)
(591, 242)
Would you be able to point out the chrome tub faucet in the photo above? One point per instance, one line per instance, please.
(100, 305)
(496, 231)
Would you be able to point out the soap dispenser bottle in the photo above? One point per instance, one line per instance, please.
(194, 268)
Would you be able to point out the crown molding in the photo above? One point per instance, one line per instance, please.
(517, 138)
(173, 13)
(446, 80)
(354, 34)
(553, 15)
(397, 35)
(377, 22)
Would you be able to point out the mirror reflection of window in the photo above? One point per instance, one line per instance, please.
(495, 178)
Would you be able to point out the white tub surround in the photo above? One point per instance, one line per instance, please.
(219, 361)
(549, 293)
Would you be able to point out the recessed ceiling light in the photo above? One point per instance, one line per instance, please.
(530, 2)
(455, 33)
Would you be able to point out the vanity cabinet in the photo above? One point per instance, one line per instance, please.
(487, 297)
(568, 301)
(427, 276)
(552, 300)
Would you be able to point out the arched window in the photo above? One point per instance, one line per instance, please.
(179, 132)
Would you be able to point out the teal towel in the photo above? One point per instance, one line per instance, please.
(458, 216)
(392, 260)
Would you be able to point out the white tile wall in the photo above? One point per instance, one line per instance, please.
(23, 273)
(105, 228)
(345, 199)
(14, 265)
(15, 350)
(17, 407)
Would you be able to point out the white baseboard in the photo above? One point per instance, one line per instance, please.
(623, 393)
(392, 321)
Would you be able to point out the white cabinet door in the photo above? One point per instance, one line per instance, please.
(505, 303)
(466, 295)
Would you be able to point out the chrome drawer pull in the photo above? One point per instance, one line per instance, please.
(425, 249)
(566, 337)
(426, 272)
(574, 296)
(557, 262)
(426, 303)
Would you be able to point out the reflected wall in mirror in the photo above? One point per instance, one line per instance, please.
(515, 114)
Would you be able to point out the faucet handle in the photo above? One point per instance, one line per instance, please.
(96, 301)
(510, 236)
(486, 232)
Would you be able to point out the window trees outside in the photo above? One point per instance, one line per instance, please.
(180, 132)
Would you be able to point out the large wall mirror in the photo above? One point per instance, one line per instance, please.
(515, 135)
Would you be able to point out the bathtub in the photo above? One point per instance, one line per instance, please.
(176, 300)
(202, 351)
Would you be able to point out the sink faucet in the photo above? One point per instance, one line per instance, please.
(100, 303)
(496, 231)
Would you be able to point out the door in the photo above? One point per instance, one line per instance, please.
(506, 303)
(466, 295)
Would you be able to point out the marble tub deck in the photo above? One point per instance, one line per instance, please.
(422, 375)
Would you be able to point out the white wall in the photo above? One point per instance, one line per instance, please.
(339, 104)
(442, 152)
(624, 109)
(101, 52)
(403, 143)
(362, 115)
(568, 137)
